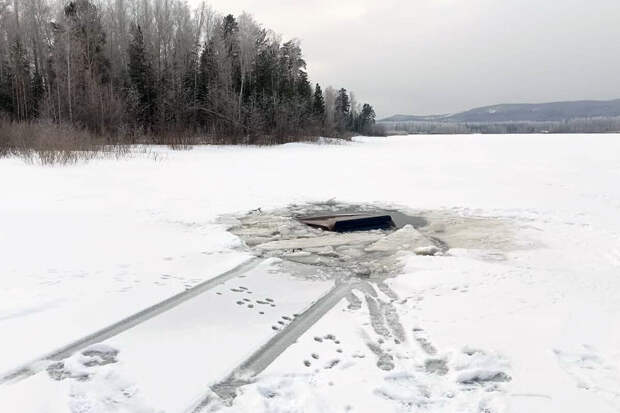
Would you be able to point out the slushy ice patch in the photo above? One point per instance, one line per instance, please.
(371, 253)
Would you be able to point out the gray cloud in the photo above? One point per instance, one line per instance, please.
(441, 56)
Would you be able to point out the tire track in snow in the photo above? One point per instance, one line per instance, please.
(140, 317)
(226, 390)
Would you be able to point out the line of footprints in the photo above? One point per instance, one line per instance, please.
(266, 302)
(283, 322)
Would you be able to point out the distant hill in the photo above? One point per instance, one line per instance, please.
(538, 112)
(414, 118)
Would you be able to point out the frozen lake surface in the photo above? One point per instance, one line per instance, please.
(518, 312)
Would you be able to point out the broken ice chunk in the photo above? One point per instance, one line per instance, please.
(406, 238)
(427, 251)
(331, 240)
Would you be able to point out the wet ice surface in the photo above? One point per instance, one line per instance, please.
(323, 254)
(373, 254)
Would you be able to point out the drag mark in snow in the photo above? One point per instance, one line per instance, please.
(383, 315)
(127, 323)
(385, 289)
(393, 321)
(385, 361)
(354, 302)
(424, 342)
(226, 390)
(376, 317)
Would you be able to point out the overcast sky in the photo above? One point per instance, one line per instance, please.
(443, 56)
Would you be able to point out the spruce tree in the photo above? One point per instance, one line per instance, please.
(318, 103)
(207, 73)
(366, 119)
(342, 110)
(37, 89)
(142, 80)
(304, 89)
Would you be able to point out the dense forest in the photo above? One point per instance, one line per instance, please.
(158, 70)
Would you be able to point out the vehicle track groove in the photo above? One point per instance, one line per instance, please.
(268, 352)
(133, 320)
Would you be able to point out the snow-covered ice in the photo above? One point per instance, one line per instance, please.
(521, 313)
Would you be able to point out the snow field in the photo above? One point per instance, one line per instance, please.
(83, 246)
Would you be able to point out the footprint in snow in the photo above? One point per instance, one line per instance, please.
(99, 355)
(436, 366)
(476, 367)
(592, 372)
(78, 367)
(60, 371)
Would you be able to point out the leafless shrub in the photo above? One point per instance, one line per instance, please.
(47, 143)
(377, 129)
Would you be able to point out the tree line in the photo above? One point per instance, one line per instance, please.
(158, 68)
(576, 125)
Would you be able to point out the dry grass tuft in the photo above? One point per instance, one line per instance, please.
(48, 143)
